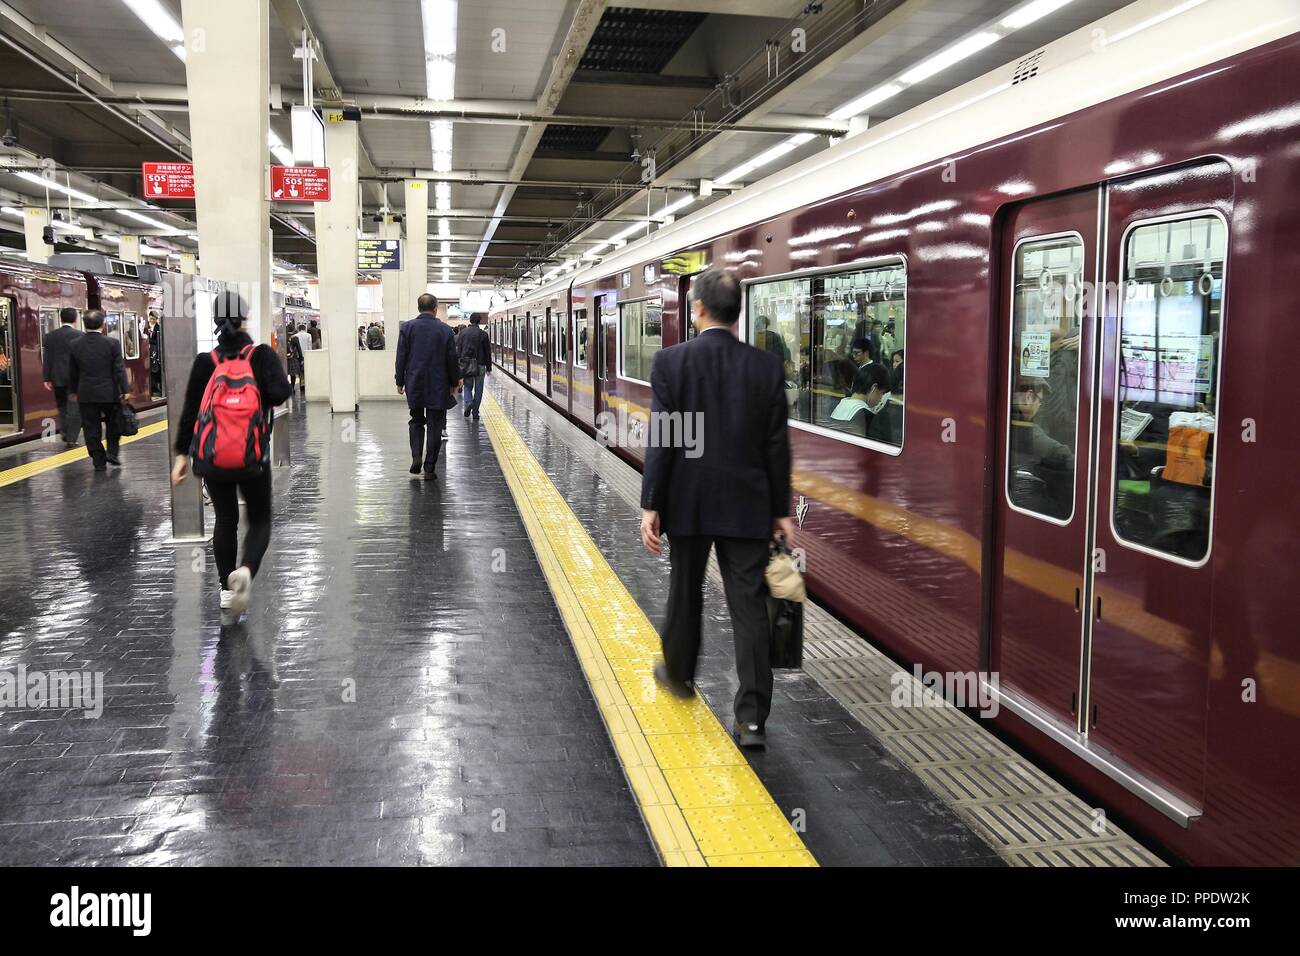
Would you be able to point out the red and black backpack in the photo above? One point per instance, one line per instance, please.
(231, 438)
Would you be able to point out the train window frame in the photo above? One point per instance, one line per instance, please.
(809, 272)
(42, 314)
(132, 321)
(1011, 377)
(536, 330)
(619, 357)
(560, 336)
(1186, 215)
(583, 313)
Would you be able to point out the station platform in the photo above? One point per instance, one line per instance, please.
(453, 672)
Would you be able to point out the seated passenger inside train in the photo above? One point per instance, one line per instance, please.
(868, 411)
(1042, 468)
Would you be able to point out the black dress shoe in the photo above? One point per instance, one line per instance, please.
(430, 475)
(677, 688)
(415, 466)
(749, 736)
(113, 460)
(100, 466)
(467, 412)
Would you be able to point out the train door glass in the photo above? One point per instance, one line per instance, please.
(580, 335)
(130, 336)
(10, 412)
(113, 326)
(1047, 334)
(684, 310)
(1152, 656)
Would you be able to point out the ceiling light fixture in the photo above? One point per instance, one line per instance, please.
(946, 58)
(1030, 12)
(159, 19)
(55, 185)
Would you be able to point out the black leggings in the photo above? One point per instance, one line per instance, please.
(225, 532)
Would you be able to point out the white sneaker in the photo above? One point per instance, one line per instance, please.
(229, 616)
(241, 589)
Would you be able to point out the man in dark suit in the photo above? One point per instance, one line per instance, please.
(732, 490)
(473, 342)
(57, 346)
(427, 374)
(97, 374)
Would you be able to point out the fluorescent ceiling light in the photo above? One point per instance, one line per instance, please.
(445, 248)
(675, 206)
(440, 77)
(55, 185)
(444, 227)
(445, 263)
(442, 196)
(1030, 12)
(159, 19)
(11, 211)
(866, 101)
(763, 158)
(147, 220)
(280, 151)
(440, 133)
(946, 58)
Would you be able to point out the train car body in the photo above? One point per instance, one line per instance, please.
(1078, 498)
(31, 297)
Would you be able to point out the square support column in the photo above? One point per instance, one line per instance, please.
(228, 75)
(415, 269)
(35, 219)
(395, 309)
(336, 261)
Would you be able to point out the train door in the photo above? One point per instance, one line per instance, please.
(1149, 654)
(1047, 330)
(11, 420)
(548, 356)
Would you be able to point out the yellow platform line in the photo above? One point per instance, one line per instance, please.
(50, 462)
(702, 803)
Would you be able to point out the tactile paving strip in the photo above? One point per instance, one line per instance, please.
(702, 802)
(59, 459)
(1025, 816)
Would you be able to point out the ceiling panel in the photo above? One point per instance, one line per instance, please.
(531, 33)
(375, 48)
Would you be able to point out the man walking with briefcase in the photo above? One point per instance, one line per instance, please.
(734, 494)
(97, 374)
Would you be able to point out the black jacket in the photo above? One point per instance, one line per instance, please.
(267, 369)
(427, 366)
(57, 346)
(96, 372)
(740, 479)
(473, 339)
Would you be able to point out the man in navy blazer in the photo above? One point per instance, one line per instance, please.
(428, 373)
(731, 490)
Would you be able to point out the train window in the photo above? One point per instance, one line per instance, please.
(1171, 314)
(560, 329)
(1043, 411)
(130, 336)
(539, 325)
(49, 321)
(840, 338)
(10, 420)
(640, 336)
(580, 338)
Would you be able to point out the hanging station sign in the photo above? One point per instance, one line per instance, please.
(300, 183)
(379, 254)
(168, 180)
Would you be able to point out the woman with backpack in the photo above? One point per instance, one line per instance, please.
(225, 428)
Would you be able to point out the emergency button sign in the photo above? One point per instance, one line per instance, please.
(300, 183)
(168, 180)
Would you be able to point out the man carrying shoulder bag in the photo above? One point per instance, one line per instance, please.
(474, 350)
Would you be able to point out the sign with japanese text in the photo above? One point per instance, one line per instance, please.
(300, 183)
(168, 180)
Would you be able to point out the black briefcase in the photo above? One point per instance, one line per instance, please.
(127, 422)
(785, 627)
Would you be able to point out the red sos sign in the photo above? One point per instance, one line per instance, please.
(168, 180)
(300, 184)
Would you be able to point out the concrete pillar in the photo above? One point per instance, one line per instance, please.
(336, 260)
(416, 269)
(228, 74)
(395, 310)
(128, 248)
(35, 219)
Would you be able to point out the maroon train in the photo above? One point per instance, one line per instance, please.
(31, 296)
(1093, 495)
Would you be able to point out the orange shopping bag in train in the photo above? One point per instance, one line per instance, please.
(1189, 443)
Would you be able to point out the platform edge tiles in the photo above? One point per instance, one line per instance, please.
(30, 469)
(701, 801)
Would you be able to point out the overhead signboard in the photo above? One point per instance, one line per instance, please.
(300, 183)
(168, 180)
(379, 254)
